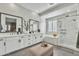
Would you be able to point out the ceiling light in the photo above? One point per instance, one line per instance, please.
(34, 13)
(68, 10)
(12, 4)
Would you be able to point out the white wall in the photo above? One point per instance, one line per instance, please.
(17, 10)
(69, 39)
(55, 13)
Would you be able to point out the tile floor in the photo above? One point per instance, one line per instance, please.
(58, 51)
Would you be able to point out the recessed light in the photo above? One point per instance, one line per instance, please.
(68, 10)
(12, 4)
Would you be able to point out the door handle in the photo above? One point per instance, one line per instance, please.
(28, 39)
(19, 41)
(41, 36)
(4, 43)
(35, 37)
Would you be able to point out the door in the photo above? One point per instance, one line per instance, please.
(12, 44)
(62, 30)
(72, 31)
(2, 47)
(69, 31)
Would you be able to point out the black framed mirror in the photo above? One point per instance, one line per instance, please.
(33, 26)
(10, 23)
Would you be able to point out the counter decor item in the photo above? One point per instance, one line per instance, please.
(19, 31)
(55, 34)
(77, 45)
(44, 44)
(1, 28)
(38, 30)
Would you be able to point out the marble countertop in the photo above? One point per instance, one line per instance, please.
(11, 35)
(2, 35)
(55, 37)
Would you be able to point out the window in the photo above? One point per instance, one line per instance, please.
(54, 25)
(51, 26)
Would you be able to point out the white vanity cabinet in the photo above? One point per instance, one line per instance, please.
(38, 37)
(21, 42)
(2, 46)
(26, 41)
(34, 41)
(31, 39)
(12, 44)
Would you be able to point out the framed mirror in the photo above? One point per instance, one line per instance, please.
(33, 25)
(10, 23)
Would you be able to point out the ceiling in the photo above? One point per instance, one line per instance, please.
(37, 7)
(43, 8)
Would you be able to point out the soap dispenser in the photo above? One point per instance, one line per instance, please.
(19, 31)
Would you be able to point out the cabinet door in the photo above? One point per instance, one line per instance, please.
(38, 37)
(2, 47)
(26, 41)
(30, 39)
(21, 42)
(12, 44)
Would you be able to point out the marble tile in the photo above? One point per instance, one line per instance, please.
(58, 51)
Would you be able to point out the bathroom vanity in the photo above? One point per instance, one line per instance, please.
(11, 43)
(13, 34)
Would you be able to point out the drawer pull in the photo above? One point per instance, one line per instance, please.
(28, 39)
(19, 41)
(1, 39)
(40, 36)
(4, 43)
(35, 37)
(28, 43)
(29, 35)
(22, 37)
